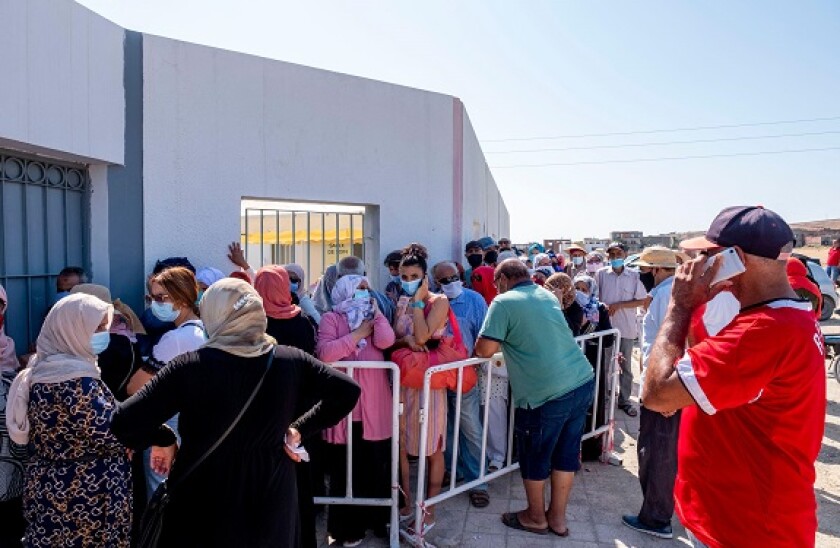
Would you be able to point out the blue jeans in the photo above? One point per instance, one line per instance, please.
(469, 448)
(833, 272)
(153, 479)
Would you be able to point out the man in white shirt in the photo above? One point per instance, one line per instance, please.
(658, 433)
(622, 291)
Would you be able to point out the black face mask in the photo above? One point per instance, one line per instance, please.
(647, 280)
(475, 260)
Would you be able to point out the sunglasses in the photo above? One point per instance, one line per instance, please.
(449, 280)
(294, 280)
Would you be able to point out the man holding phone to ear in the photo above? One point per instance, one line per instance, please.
(753, 394)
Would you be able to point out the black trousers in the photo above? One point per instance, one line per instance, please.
(657, 449)
(12, 523)
(371, 479)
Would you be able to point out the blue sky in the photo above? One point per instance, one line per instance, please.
(551, 68)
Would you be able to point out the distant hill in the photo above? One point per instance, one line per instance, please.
(817, 226)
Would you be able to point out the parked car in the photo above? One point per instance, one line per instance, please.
(827, 288)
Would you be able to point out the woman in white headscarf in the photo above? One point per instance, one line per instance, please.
(60, 407)
(243, 494)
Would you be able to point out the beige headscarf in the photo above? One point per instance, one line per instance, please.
(64, 352)
(102, 292)
(8, 356)
(233, 315)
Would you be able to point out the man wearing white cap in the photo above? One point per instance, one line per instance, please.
(658, 432)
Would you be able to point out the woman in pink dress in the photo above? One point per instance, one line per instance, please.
(355, 330)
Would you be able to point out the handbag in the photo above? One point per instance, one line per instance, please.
(450, 348)
(151, 523)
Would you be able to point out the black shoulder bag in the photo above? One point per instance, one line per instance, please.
(152, 521)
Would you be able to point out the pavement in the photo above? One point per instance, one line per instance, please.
(602, 493)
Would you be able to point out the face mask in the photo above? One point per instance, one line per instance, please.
(100, 341)
(294, 286)
(453, 290)
(593, 267)
(396, 278)
(165, 312)
(411, 288)
(577, 261)
(617, 263)
(200, 295)
(647, 280)
(361, 294)
(475, 260)
(581, 297)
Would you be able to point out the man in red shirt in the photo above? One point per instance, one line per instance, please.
(832, 265)
(754, 393)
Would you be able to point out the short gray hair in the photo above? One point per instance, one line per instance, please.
(351, 265)
(450, 264)
(512, 269)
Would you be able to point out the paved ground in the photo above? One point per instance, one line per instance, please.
(602, 493)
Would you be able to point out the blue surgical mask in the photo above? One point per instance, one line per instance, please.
(617, 263)
(411, 287)
(396, 278)
(99, 341)
(165, 312)
(361, 294)
(294, 286)
(577, 261)
(581, 297)
(200, 295)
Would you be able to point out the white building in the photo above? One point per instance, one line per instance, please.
(119, 148)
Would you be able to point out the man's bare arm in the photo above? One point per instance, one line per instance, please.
(663, 390)
(485, 348)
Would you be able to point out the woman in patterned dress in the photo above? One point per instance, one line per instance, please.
(78, 483)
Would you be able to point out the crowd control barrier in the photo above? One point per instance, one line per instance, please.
(348, 498)
(595, 341)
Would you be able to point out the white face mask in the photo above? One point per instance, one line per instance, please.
(453, 290)
(577, 261)
(593, 267)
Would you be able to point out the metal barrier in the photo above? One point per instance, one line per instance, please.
(393, 501)
(497, 361)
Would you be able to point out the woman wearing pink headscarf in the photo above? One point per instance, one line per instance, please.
(285, 321)
(356, 330)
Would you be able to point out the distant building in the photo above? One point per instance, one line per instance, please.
(557, 246)
(631, 238)
(591, 244)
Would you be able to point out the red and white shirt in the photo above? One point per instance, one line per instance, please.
(747, 449)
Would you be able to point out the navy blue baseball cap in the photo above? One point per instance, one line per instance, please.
(755, 229)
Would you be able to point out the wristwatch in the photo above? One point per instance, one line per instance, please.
(418, 304)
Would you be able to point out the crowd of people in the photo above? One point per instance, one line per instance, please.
(231, 388)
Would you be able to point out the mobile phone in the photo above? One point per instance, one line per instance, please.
(730, 267)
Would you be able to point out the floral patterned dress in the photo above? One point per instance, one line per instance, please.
(78, 484)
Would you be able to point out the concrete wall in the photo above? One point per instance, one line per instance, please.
(62, 91)
(219, 126)
(485, 213)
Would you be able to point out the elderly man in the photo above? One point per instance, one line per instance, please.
(577, 261)
(354, 265)
(552, 386)
(469, 309)
(658, 433)
(622, 291)
(753, 393)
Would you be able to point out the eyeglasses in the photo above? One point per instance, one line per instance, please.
(449, 280)
(162, 298)
(294, 281)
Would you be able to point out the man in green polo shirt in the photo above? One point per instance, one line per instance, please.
(552, 385)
